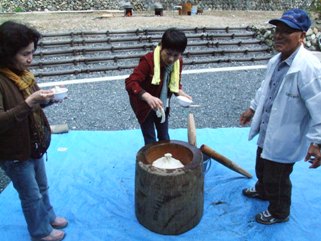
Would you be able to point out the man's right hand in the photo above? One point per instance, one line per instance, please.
(246, 116)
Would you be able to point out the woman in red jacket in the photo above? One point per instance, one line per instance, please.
(152, 83)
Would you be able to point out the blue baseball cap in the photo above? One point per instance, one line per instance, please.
(294, 18)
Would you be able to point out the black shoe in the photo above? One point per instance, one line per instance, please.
(267, 218)
(252, 193)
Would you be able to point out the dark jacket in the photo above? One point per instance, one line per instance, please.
(15, 138)
(140, 81)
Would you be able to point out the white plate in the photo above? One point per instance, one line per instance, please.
(184, 101)
(59, 93)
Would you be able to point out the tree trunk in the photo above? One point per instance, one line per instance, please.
(169, 201)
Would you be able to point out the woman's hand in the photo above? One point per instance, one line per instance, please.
(182, 93)
(154, 102)
(246, 116)
(39, 97)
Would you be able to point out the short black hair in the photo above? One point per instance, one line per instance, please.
(13, 37)
(174, 39)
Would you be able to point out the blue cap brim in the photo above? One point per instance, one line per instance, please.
(286, 22)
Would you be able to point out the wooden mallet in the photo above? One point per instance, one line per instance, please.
(191, 134)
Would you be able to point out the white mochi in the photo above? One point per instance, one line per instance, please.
(167, 162)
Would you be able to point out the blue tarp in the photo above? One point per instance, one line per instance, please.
(92, 175)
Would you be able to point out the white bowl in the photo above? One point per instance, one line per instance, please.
(59, 93)
(184, 101)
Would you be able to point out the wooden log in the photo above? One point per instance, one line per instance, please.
(169, 201)
(224, 161)
(191, 130)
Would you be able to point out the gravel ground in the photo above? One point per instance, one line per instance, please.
(222, 96)
(105, 106)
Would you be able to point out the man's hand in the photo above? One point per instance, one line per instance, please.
(246, 116)
(314, 156)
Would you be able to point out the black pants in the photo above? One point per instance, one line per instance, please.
(152, 122)
(274, 184)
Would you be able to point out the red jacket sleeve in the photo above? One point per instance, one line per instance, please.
(135, 82)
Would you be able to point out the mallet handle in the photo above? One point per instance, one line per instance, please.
(224, 161)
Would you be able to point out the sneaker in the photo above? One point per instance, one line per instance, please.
(59, 223)
(55, 235)
(252, 193)
(267, 218)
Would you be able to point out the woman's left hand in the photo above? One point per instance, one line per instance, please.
(182, 93)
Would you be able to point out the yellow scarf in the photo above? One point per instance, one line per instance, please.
(174, 79)
(39, 126)
(23, 82)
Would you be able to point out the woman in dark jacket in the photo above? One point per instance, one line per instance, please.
(25, 131)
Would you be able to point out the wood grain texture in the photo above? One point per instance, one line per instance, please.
(224, 161)
(191, 130)
(169, 201)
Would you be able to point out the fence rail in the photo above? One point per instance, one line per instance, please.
(64, 54)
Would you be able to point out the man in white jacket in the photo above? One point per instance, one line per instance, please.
(286, 114)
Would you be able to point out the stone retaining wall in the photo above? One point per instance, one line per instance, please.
(312, 39)
(143, 5)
